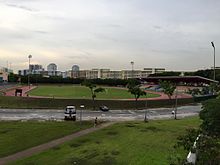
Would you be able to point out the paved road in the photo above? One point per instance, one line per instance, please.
(112, 115)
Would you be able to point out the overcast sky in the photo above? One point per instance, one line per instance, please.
(172, 34)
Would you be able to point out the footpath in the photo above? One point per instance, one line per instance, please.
(37, 149)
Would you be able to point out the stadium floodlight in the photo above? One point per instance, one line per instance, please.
(29, 70)
(132, 69)
(214, 58)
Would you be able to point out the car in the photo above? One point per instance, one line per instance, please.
(70, 113)
(104, 108)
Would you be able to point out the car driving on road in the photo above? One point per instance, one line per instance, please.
(70, 113)
(104, 108)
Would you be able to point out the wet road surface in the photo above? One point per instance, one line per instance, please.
(112, 115)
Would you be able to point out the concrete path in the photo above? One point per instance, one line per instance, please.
(37, 149)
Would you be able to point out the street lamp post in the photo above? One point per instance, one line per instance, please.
(29, 70)
(214, 58)
(145, 113)
(132, 69)
(175, 112)
(81, 107)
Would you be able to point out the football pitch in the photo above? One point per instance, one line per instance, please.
(71, 91)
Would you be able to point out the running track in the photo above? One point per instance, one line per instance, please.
(162, 96)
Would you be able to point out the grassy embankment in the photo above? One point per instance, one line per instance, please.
(129, 143)
(16, 136)
(50, 103)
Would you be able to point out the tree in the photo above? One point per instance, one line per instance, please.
(136, 91)
(13, 77)
(211, 117)
(194, 91)
(214, 88)
(208, 152)
(207, 146)
(168, 87)
(94, 90)
(207, 73)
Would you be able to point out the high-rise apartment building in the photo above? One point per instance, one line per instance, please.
(52, 69)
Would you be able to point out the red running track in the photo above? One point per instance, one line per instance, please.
(25, 89)
(162, 96)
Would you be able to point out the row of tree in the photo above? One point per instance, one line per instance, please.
(213, 88)
(207, 73)
(133, 87)
(37, 79)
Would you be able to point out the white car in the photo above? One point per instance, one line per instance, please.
(70, 113)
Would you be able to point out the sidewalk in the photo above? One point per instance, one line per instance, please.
(37, 149)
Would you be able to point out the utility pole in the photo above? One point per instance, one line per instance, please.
(145, 113)
(81, 107)
(175, 105)
(132, 69)
(29, 70)
(214, 58)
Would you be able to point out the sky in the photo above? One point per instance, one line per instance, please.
(171, 34)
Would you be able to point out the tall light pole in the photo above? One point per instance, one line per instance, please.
(132, 69)
(214, 58)
(29, 70)
(175, 112)
(81, 107)
(145, 113)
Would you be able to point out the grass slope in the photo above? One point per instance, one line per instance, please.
(17, 136)
(82, 92)
(129, 143)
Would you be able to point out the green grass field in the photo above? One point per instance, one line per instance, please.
(17, 136)
(82, 92)
(129, 143)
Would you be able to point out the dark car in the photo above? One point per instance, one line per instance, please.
(104, 108)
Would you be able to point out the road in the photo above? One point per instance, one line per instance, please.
(112, 115)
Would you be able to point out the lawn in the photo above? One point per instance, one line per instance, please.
(16, 136)
(69, 91)
(128, 143)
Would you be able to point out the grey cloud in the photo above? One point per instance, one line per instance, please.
(114, 25)
(157, 27)
(105, 37)
(80, 55)
(77, 56)
(102, 31)
(54, 17)
(87, 53)
(22, 7)
(41, 32)
(171, 51)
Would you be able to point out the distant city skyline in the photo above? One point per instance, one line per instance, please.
(75, 67)
(173, 34)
